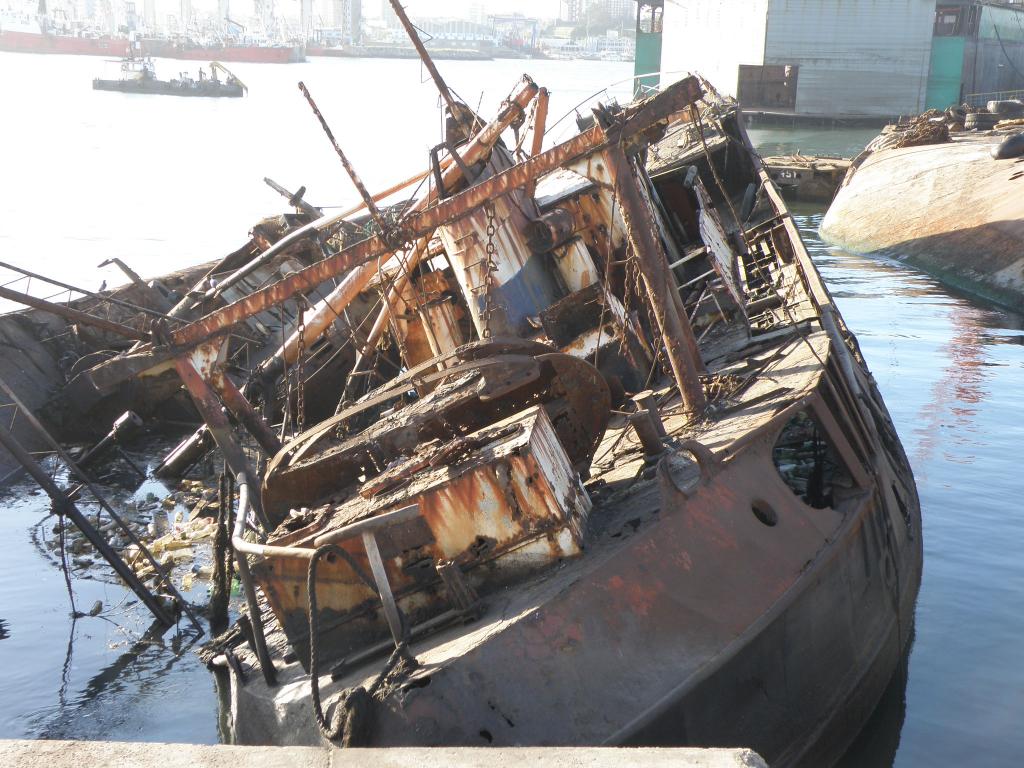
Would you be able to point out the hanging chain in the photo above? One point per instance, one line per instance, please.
(300, 387)
(490, 252)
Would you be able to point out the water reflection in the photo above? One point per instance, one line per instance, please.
(949, 369)
(117, 688)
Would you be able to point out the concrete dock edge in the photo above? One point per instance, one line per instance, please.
(119, 754)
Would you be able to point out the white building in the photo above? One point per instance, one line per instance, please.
(833, 58)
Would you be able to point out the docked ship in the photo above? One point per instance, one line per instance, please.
(45, 32)
(38, 33)
(223, 50)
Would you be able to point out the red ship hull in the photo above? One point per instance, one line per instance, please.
(30, 42)
(238, 53)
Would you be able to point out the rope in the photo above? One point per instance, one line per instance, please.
(352, 716)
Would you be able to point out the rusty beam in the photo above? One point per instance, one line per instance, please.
(419, 224)
(242, 409)
(674, 329)
(64, 506)
(540, 121)
(210, 410)
(73, 315)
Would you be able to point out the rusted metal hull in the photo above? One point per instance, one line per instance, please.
(702, 626)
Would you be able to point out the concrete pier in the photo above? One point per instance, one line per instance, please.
(75, 754)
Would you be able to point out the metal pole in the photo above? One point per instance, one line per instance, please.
(255, 617)
(654, 267)
(80, 473)
(364, 193)
(442, 86)
(65, 506)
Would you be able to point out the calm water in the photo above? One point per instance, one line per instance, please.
(164, 183)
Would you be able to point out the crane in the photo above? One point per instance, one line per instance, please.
(216, 65)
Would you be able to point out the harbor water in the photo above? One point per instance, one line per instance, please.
(164, 183)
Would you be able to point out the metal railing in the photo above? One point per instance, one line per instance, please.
(981, 99)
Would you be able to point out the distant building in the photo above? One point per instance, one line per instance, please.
(977, 52)
(515, 30)
(572, 10)
(848, 58)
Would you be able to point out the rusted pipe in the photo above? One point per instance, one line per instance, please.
(648, 402)
(654, 267)
(646, 430)
(245, 576)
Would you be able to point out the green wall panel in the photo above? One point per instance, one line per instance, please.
(945, 72)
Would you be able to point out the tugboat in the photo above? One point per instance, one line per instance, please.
(138, 75)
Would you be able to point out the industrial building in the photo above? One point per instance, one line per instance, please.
(847, 58)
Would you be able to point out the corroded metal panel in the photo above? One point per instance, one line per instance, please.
(514, 506)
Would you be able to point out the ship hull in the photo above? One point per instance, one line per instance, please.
(28, 42)
(165, 88)
(808, 629)
(250, 54)
(948, 209)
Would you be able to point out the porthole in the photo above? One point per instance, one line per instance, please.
(764, 513)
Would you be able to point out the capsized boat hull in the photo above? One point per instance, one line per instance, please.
(949, 209)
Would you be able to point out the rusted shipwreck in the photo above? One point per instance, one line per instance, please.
(565, 446)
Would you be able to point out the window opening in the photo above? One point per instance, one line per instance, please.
(809, 463)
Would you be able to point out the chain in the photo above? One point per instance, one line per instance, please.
(300, 387)
(490, 252)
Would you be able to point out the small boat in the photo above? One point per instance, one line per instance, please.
(138, 75)
(804, 177)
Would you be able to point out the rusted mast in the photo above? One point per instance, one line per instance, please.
(675, 330)
(457, 110)
(420, 223)
(371, 206)
(320, 317)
